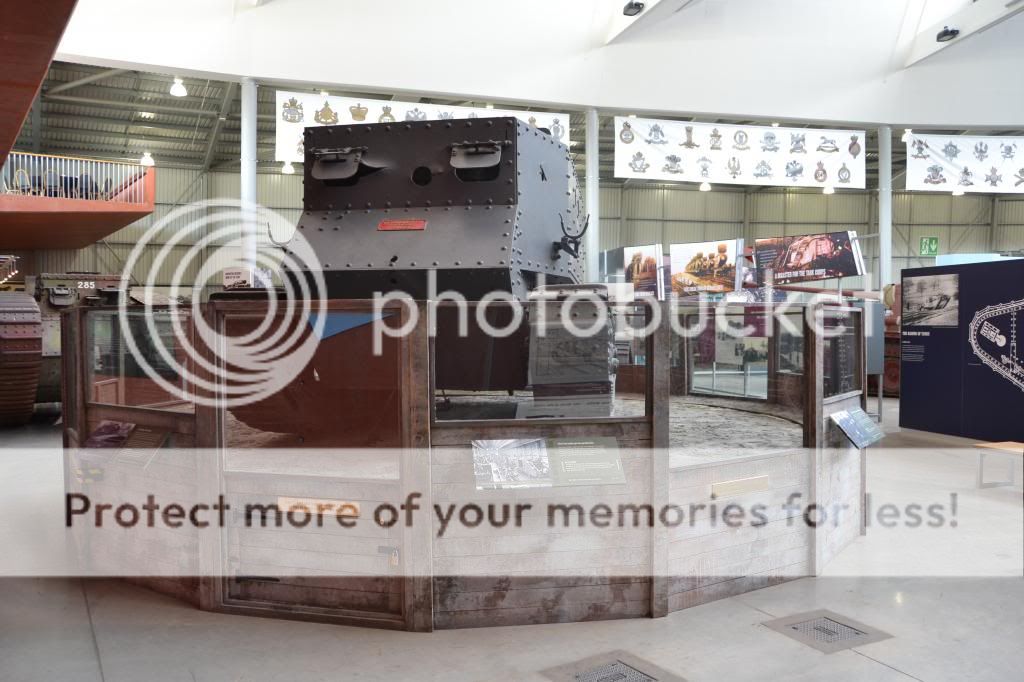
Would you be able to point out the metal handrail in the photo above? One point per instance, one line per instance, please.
(71, 177)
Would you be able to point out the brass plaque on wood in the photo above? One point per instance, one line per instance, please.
(738, 486)
(318, 507)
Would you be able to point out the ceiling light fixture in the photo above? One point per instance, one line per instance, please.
(489, 105)
(633, 8)
(705, 186)
(828, 189)
(946, 34)
(324, 93)
(146, 115)
(178, 88)
(958, 192)
(908, 135)
(287, 168)
(775, 124)
(147, 160)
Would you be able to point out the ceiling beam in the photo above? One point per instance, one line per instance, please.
(218, 124)
(102, 75)
(136, 106)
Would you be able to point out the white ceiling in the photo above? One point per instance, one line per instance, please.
(828, 61)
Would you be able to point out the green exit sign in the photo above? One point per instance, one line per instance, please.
(929, 246)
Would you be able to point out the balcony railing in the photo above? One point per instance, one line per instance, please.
(73, 178)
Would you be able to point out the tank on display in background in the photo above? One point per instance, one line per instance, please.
(30, 338)
(55, 293)
(488, 204)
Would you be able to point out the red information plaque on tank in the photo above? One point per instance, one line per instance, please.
(401, 225)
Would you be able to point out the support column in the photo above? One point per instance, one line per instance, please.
(884, 206)
(248, 170)
(593, 196)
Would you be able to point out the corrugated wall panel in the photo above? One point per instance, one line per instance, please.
(1008, 237)
(723, 231)
(642, 202)
(611, 207)
(640, 232)
(677, 232)
(1010, 212)
(280, 191)
(968, 239)
(767, 207)
(972, 209)
(724, 205)
(848, 209)
(609, 237)
(901, 207)
(806, 208)
(931, 208)
(684, 205)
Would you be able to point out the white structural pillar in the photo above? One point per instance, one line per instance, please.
(248, 171)
(884, 206)
(592, 241)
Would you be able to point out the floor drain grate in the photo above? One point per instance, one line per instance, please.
(826, 631)
(616, 671)
(614, 666)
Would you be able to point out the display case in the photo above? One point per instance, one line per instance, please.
(522, 423)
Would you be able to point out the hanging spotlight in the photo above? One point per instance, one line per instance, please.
(958, 192)
(147, 160)
(178, 88)
(828, 189)
(287, 168)
(908, 135)
(705, 186)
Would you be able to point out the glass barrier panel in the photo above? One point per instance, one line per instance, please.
(538, 363)
(841, 351)
(730, 355)
(344, 395)
(146, 378)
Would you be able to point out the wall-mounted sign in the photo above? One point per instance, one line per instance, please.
(808, 257)
(967, 162)
(929, 246)
(683, 151)
(299, 110)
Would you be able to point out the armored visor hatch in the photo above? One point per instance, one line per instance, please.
(488, 203)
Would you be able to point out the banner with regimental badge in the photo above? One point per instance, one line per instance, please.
(684, 151)
(299, 110)
(970, 163)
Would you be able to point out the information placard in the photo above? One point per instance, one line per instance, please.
(858, 426)
(546, 462)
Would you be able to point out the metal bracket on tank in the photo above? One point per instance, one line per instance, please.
(337, 164)
(476, 154)
(569, 243)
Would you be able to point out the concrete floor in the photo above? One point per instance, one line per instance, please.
(950, 599)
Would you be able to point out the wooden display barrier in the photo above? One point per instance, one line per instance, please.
(646, 573)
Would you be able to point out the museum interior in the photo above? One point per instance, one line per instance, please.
(665, 340)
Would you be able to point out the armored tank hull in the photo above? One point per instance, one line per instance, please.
(21, 355)
(466, 207)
